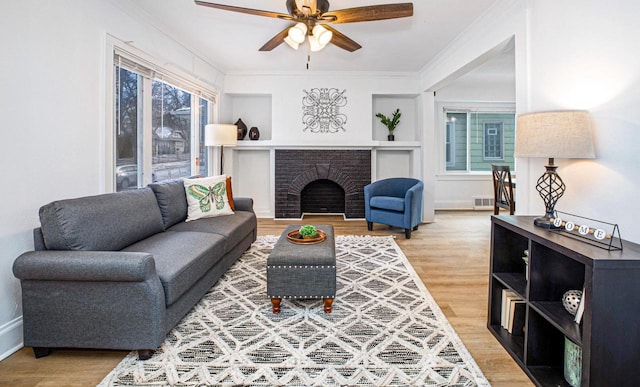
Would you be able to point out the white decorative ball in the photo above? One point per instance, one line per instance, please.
(571, 300)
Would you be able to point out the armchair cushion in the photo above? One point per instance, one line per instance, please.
(388, 203)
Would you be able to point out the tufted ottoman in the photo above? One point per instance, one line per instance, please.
(302, 270)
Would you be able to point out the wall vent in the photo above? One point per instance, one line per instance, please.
(482, 203)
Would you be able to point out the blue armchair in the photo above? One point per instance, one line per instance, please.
(396, 202)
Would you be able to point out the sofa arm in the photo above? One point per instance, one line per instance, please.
(243, 204)
(110, 266)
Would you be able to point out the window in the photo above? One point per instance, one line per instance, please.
(450, 143)
(493, 141)
(456, 155)
(171, 134)
(159, 122)
(475, 140)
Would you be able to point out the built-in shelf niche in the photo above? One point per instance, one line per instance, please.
(254, 109)
(410, 124)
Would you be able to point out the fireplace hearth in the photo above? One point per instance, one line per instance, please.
(321, 181)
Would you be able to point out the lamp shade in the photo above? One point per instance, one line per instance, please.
(555, 134)
(220, 134)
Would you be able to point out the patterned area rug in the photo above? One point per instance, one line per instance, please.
(385, 329)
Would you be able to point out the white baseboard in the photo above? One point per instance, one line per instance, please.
(11, 339)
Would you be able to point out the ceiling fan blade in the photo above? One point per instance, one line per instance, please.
(341, 40)
(369, 13)
(276, 40)
(249, 11)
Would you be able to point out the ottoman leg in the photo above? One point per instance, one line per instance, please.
(328, 303)
(275, 303)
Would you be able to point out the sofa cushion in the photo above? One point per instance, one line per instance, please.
(171, 200)
(233, 228)
(181, 258)
(207, 197)
(106, 222)
(387, 203)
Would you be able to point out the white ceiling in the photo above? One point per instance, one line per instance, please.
(230, 40)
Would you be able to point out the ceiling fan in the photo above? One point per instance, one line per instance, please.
(311, 18)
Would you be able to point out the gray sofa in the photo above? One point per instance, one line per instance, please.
(119, 270)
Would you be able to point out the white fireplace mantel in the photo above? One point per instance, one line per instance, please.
(252, 165)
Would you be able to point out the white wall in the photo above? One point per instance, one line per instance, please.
(52, 109)
(287, 93)
(574, 54)
(584, 56)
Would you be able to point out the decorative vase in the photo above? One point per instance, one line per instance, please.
(391, 137)
(254, 133)
(242, 129)
(571, 300)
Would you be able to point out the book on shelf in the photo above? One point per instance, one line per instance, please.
(509, 301)
(517, 318)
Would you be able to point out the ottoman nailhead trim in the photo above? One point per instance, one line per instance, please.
(299, 267)
(270, 296)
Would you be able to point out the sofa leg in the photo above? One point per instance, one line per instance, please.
(370, 226)
(415, 228)
(407, 233)
(145, 354)
(41, 352)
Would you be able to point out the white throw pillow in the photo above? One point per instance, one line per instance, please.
(207, 197)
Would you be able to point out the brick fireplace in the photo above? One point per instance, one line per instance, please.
(321, 181)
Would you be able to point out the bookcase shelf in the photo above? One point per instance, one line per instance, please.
(609, 334)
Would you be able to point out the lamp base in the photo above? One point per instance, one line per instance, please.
(550, 187)
(543, 222)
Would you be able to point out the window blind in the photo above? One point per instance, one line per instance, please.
(148, 69)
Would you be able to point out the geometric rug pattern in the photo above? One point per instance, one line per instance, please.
(385, 329)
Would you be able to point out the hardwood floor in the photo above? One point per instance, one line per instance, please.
(451, 256)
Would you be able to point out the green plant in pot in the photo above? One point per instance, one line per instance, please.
(308, 231)
(390, 123)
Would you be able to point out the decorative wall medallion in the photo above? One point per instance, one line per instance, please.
(321, 110)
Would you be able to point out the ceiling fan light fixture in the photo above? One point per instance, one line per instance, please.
(314, 44)
(298, 32)
(291, 43)
(322, 34)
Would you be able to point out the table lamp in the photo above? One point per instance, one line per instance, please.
(220, 135)
(562, 134)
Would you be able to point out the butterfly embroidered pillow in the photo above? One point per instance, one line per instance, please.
(207, 197)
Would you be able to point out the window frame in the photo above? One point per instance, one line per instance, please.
(468, 107)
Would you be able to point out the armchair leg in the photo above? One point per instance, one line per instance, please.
(415, 228)
(407, 233)
(370, 226)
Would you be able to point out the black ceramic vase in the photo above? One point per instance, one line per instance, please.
(254, 133)
(242, 129)
(391, 137)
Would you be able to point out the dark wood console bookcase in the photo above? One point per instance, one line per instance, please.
(609, 334)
